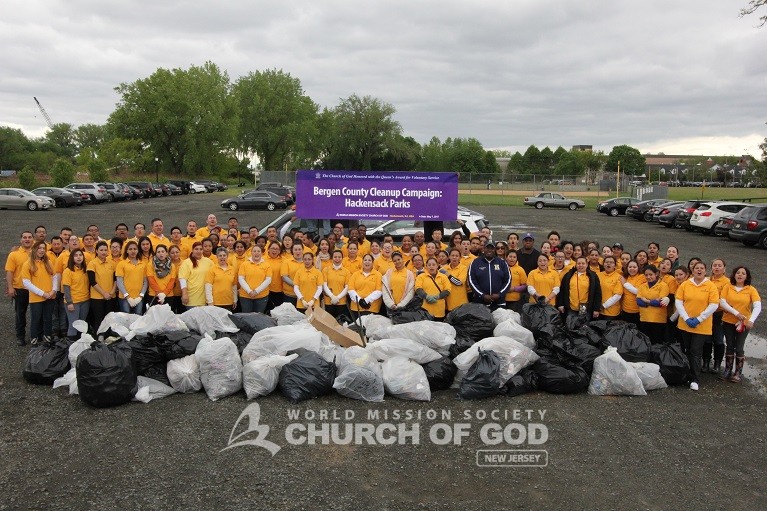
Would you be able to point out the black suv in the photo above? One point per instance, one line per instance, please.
(749, 226)
(146, 188)
(181, 183)
(682, 220)
(279, 189)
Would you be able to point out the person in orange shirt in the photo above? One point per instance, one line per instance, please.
(161, 276)
(40, 279)
(336, 285)
(612, 289)
(384, 262)
(518, 283)
(353, 261)
(288, 269)
(433, 288)
(174, 298)
(76, 290)
(255, 276)
(323, 257)
(716, 343)
(365, 288)
(542, 283)
(131, 280)
(221, 282)
(742, 305)
(631, 281)
(307, 283)
(274, 257)
(101, 276)
(458, 274)
(157, 236)
(652, 299)
(15, 289)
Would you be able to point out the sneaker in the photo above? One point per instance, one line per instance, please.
(693, 386)
(717, 368)
(33, 341)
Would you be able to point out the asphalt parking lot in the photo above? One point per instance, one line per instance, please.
(673, 448)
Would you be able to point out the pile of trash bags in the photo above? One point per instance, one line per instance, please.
(475, 352)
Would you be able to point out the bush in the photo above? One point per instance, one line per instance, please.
(62, 172)
(27, 178)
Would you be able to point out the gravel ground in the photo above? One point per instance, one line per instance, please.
(674, 448)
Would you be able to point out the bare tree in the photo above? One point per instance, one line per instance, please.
(752, 7)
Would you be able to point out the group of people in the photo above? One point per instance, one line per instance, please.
(68, 277)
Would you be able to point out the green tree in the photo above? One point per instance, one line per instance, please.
(433, 158)
(357, 131)
(516, 164)
(502, 153)
(96, 169)
(27, 179)
(62, 172)
(632, 163)
(90, 137)
(491, 164)
(558, 153)
(61, 140)
(277, 119)
(185, 117)
(532, 160)
(593, 162)
(569, 165)
(466, 156)
(547, 160)
(402, 154)
(14, 148)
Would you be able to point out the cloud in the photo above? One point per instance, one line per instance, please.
(647, 73)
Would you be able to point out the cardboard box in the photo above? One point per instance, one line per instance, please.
(328, 325)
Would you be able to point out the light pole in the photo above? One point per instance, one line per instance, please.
(157, 170)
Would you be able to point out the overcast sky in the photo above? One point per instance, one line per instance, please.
(680, 77)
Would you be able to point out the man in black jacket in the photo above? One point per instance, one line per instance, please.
(489, 279)
(527, 256)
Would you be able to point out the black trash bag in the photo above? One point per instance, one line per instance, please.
(541, 319)
(586, 334)
(158, 372)
(482, 379)
(521, 383)
(240, 339)
(575, 321)
(105, 374)
(108, 334)
(603, 325)
(145, 353)
(307, 377)
(440, 373)
(632, 345)
(560, 379)
(471, 320)
(461, 344)
(570, 352)
(178, 343)
(252, 322)
(413, 305)
(46, 362)
(674, 366)
(399, 317)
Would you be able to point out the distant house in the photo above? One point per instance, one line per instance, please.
(7, 173)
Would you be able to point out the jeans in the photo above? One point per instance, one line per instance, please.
(20, 304)
(80, 312)
(42, 319)
(735, 340)
(254, 305)
(125, 306)
(692, 344)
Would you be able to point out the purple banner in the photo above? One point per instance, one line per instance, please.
(354, 194)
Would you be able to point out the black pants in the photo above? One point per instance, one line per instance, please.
(337, 311)
(716, 341)
(693, 347)
(655, 331)
(735, 340)
(20, 305)
(60, 321)
(290, 299)
(630, 317)
(99, 309)
(275, 300)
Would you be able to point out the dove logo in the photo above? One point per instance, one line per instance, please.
(253, 413)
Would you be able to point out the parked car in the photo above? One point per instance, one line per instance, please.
(196, 188)
(259, 199)
(723, 226)
(115, 192)
(616, 206)
(96, 193)
(553, 200)
(129, 191)
(399, 228)
(668, 214)
(158, 190)
(18, 198)
(682, 220)
(138, 193)
(749, 226)
(62, 197)
(708, 214)
(638, 210)
(173, 189)
(210, 186)
(181, 183)
(281, 190)
(147, 190)
(654, 212)
(221, 187)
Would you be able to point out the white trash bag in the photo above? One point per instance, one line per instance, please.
(157, 320)
(208, 319)
(184, 374)
(432, 334)
(287, 314)
(407, 348)
(114, 320)
(405, 379)
(220, 367)
(514, 356)
(613, 376)
(149, 389)
(278, 340)
(516, 331)
(650, 375)
(261, 376)
(359, 375)
(375, 325)
(501, 315)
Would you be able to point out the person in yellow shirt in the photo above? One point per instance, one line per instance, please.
(211, 225)
(353, 261)
(363, 244)
(696, 301)
(15, 289)
(397, 284)
(307, 283)
(716, 343)
(742, 305)
(157, 236)
(131, 280)
(323, 257)
(239, 254)
(115, 250)
(518, 283)
(612, 289)
(365, 288)
(580, 293)
(290, 265)
(40, 279)
(221, 282)
(174, 298)
(542, 283)
(161, 276)
(466, 254)
(652, 299)
(101, 277)
(653, 254)
(255, 277)
(458, 274)
(191, 275)
(76, 290)
(631, 281)
(189, 239)
(433, 288)
(274, 257)
(89, 247)
(384, 262)
(336, 285)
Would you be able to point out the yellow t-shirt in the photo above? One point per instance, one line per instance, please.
(166, 284)
(195, 280)
(611, 286)
(336, 280)
(42, 279)
(458, 294)
(222, 280)
(133, 276)
(433, 287)
(275, 263)
(255, 274)
(77, 280)
(544, 283)
(518, 278)
(105, 276)
(629, 299)
(363, 285)
(741, 300)
(307, 280)
(288, 269)
(353, 266)
(382, 265)
(579, 290)
(14, 262)
(696, 297)
(652, 314)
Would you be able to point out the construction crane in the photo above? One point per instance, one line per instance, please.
(45, 114)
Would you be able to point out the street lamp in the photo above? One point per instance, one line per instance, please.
(157, 170)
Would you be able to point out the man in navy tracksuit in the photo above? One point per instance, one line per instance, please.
(489, 279)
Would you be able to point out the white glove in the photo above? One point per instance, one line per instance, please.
(665, 301)
(134, 301)
(161, 297)
(334, 300)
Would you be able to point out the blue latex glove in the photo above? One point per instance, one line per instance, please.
(692, 322)
(641, 302)
(655, 303)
